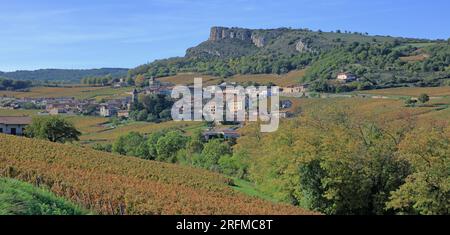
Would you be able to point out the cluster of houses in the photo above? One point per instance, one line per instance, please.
(120, 107)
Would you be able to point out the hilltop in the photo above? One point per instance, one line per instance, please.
(112, 184)
(378, 61)
(234, 42)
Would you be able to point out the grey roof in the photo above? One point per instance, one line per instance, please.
(15, 120)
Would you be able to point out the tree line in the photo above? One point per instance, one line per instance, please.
(14, 85)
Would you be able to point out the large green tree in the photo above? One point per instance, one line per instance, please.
(212, 152)
(427, 190)
(168, 145)
(132, 144)
(53, 128)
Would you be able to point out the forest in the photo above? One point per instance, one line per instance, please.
(63, 75)
(14, 85)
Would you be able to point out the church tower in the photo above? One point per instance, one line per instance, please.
(135, 96)
(134, 99)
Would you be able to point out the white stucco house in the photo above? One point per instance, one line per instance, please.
(108, 111)
(346, 77)
(14, 125)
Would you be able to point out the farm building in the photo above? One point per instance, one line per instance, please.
(14, 125)
(221, 134)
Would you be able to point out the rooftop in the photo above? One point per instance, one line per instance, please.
(15, 120)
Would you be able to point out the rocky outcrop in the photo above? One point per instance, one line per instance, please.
(302, 47)
(220, 33)
(247, 35)
(234, 42)
(259, 41)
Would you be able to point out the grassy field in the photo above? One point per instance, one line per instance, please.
(250, 189)
(288, 79)
(381, 110)
(89, 124)
(112, 184)
(76, 92)
(284, 80)
(19, 198)
(411, 91)
(414, 58)
(101, 134)
(19, 112)
(188, 79)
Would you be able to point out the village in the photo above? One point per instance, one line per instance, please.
(121, 107)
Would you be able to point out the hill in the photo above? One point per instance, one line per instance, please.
(234, 42)
(67, 75)
(18, 198)
(378, 61)
(112, 184)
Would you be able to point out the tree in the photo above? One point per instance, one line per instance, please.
(55, 129)
(424, 98)
(130, 81)
(410, 102)
(140, 80)
(212, 152)
(329, 161)
(427, 190)
(152, 141)
(131, 144)
(168, 145)
(152, 108)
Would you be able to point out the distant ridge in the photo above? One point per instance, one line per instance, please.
(67, 75)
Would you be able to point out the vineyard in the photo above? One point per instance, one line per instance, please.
(76, 92)
(287, 79)
(111, 184)
(411, 91)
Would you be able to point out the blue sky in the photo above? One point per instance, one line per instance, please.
(117, 33)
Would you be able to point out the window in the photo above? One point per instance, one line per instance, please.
(1, 130)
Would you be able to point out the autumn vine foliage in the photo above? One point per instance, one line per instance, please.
(337, 160)
(111, 184)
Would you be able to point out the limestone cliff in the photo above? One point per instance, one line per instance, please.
(235, 42)
(220, 33)
(247, 35)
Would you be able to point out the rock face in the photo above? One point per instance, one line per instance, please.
(302, 47)
(259, 41)
(235, 42)
(220, 33)
(247, 35)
